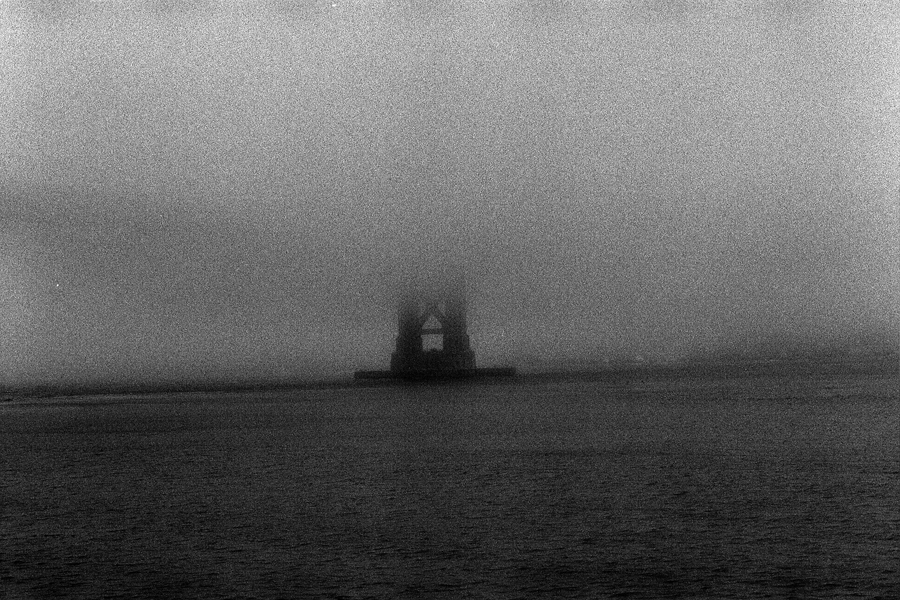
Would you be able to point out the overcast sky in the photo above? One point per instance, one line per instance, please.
(231, 189)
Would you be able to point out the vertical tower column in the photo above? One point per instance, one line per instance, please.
(409, 334)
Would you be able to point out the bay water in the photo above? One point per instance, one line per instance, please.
(784, 487)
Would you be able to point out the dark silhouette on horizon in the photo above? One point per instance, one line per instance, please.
(436, 307)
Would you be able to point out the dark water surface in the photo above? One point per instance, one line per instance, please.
(780, 488)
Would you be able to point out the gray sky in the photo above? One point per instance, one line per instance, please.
(230, 189)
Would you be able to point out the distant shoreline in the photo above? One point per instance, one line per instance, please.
(888, 366)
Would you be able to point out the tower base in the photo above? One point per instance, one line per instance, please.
(437, 374)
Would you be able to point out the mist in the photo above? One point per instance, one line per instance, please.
(232, 190)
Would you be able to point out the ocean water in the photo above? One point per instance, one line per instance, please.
(739, 488)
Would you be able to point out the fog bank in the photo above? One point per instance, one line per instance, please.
(219, 190)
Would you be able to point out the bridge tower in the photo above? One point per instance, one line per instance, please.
(444, 306)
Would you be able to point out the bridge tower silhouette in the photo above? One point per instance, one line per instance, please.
(437, 310)
(428, 308)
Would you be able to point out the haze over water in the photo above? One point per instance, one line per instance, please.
(217, 191)
(221, 190)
